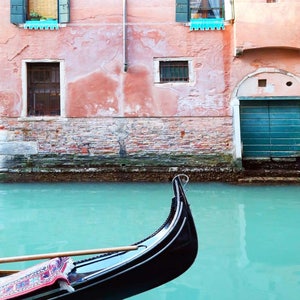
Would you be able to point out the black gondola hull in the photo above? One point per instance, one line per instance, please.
(155, 270)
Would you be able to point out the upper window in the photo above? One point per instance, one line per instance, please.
(40, 14)
(204, 14)
(42, 10)
(206, 9)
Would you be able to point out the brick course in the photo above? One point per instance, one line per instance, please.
(127, 136)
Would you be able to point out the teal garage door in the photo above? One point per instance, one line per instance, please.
(270, 128)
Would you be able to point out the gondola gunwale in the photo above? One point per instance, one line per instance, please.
(143, 261)
(133, 257)
(147, 249)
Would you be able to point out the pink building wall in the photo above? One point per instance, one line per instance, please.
(96, 86)
(91, 47)
(266, 47)
(105, 107)
(261, 24)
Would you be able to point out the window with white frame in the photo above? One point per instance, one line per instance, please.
(168, 70)
(43, 89)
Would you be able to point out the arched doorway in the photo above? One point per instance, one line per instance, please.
(266, 111)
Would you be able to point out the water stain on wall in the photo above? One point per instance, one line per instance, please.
(92, 96)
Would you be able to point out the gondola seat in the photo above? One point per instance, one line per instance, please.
(51, 272)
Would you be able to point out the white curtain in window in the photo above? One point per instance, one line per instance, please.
(228, 6)
(216, 5)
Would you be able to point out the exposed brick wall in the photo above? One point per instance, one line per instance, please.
(125, 136)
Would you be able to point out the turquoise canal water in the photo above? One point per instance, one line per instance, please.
(249, 238)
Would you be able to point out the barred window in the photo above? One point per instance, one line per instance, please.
(173, 71)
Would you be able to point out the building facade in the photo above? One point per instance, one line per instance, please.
(206, 81)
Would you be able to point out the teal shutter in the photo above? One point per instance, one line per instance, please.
(18, 11)
(270, 128)
(182, 11)
(63, 11)
(255, 129)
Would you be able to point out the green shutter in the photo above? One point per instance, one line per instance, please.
(64, 11)
(182, 10)
(18, 11)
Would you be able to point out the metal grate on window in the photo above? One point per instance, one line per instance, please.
(43, 89)
(172, 71)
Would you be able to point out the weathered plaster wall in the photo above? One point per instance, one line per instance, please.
(260, 24)
(97, 88)
(91, 46)
(107, 91)
(280, 67)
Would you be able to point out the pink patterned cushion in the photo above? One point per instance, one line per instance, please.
(36, 277)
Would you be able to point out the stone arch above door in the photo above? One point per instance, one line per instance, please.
(269, 82)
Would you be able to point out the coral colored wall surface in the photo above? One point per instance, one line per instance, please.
(91, 46)
(260, 24)
(96, 86)
(97, 92)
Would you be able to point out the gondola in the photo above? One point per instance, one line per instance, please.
(159, 258)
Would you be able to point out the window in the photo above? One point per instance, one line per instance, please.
(262, 82)
(205, 11)
(172, 70)
(38, 10)
(43, 89)
(32, 12)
